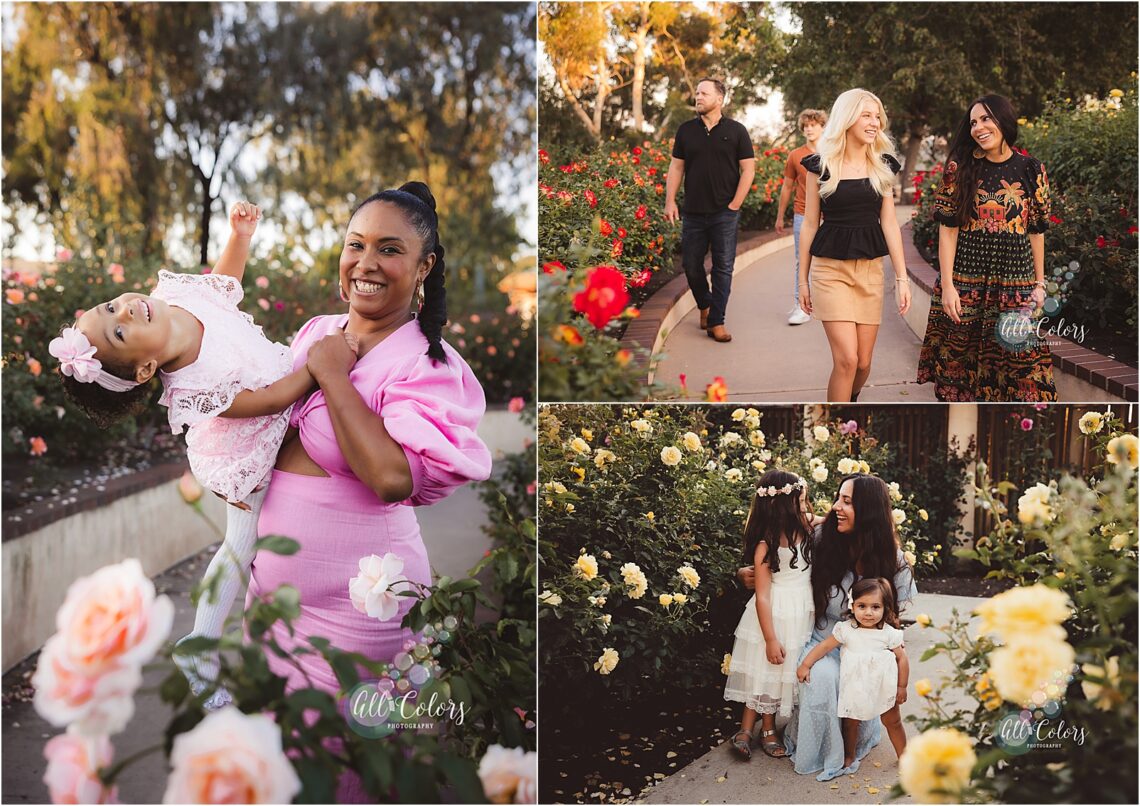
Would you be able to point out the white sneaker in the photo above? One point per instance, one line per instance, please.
(798, 317)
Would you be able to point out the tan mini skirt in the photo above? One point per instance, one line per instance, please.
(847, 290)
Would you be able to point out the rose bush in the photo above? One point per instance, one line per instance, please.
(652, 501)
(1044, 691)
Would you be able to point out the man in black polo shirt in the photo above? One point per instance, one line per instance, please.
(714, 154)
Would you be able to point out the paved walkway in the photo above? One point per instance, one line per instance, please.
(454, 542)
(720, 776)
(769, 360)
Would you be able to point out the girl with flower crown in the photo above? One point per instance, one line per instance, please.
(222, 379)
(778, 619)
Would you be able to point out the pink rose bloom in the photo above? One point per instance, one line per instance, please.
(72, 769)
(1040, 406)
(262, 282)
(374, 591)
(509, 775)
(530, 488)
(1026, 424)
(63, 255)
(109, 625)
(231, 757)
(516, 405)
(263, 303)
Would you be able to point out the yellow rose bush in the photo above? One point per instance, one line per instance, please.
(1044, 677)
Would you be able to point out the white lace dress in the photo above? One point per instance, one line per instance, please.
(752, 680)
(868, 669)
(231, 456)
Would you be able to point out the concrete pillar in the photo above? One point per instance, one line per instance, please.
(962, 423)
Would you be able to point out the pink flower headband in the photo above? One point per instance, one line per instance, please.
(77, 359)
(771, 492)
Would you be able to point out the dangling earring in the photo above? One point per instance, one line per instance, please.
(419, 298)
(343, 296)
(979, 154)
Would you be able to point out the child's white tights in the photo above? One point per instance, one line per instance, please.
(231, 563)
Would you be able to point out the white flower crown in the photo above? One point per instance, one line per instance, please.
(771, 492)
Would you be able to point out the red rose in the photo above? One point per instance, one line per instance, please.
(640, 279)
(616, 249)
(604, 296)
(543, 157)
(621, 232)
(611, 183)
(553, 266)
(636, 160)
(637, 151)
(1055, 220)
(1132, 230)
(642, 212)
(1101, 243)
(606, 228)
(591, 197)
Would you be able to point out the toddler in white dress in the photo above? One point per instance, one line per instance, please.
(873, 666)
(777, 620)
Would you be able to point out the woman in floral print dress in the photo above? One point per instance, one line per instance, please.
(983, 337)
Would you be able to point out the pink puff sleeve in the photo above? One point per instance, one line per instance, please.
(432, 409)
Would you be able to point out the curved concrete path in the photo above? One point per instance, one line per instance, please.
(769, 360)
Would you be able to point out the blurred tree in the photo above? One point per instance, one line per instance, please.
(927, 61)
(123, 121)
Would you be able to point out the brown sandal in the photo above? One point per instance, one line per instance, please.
(769, 745)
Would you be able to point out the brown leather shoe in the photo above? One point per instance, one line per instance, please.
(718, 333)
(704, 318)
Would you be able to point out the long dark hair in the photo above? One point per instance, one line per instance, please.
(873, 543)
(416, 201)
(886, 590)
(773, 516)
(962, 146)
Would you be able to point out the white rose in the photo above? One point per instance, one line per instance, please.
(374, 590)
(739, 415)
(893, 488)
(1033, 506)
(847, 466)
(670, 456)
(898, 516)
(1091, 423)
(733, 474)
(550, 598)
(819, 473)
(820, 433)
(691, 442)
(231, 755)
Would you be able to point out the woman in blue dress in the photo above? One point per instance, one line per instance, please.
(857, 539)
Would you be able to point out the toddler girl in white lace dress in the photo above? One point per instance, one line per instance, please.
(222, 379)
(777, 620)
(873, 667)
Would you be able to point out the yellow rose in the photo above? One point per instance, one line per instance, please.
(739, 414)
(635, 579)
(586, 567)
(649, 516)
(569, 509)
(922, 687)
(864, 467)
(1091, 423)
(910, 558)
(936, 765)
(1025, 667)
(922, 619)
(641, 426)
(690, 576)
(820, 433)
(579, 445)
(894, 491)
(606, 661)
(922, 513)
(1021, 121)
(1034, 507)
(1123, 450)
(733, 474)
(680, 598)
(550, 598)
(1033, 612)
(665, 599)
(1118, 542)
(691, 442)
(587, 434)
(1114, 93)
(1105, 694)
(670, 456)
(726, 664)
(556, 487)
(847, 466)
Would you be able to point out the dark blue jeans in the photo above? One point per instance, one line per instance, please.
(701, 232)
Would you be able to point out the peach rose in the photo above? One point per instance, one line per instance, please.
(91, 704)
(231, 757)
(72, 769)
(509, 775)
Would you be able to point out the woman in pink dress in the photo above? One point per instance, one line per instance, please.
(390, 427)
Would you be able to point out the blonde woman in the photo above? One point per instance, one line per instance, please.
(850, 182)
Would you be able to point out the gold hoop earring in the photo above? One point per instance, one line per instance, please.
(979, 154)
(343, 296)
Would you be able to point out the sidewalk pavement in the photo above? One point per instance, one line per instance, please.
(769, 360)
(721, 776)
(451, 531)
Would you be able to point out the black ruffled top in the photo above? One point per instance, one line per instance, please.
(850, 228)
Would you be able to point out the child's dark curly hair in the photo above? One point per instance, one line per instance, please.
(102, 406)
(886, 591)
